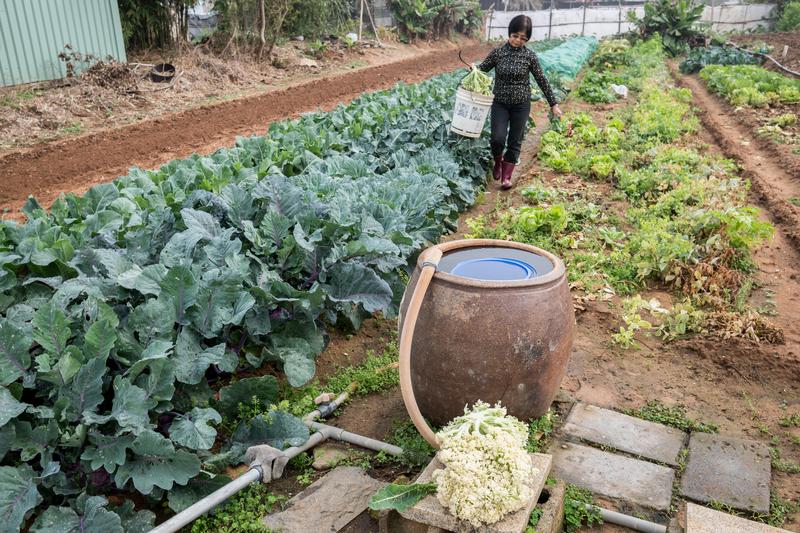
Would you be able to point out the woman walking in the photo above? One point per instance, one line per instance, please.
(513, 63)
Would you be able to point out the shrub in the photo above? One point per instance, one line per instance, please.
(790, 19)
(435, 18)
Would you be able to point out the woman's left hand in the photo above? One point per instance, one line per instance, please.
(556, 111)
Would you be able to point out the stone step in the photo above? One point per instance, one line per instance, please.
(430, 512)
(701, 519)
(728, 470)
(625, 433)
(614, 476)
(327, 505)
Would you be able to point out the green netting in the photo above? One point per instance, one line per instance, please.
(566, 60)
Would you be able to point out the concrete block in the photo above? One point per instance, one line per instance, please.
(625, 433)
(728, 470)
(552, 519)
(429, 511)
(394, 523)
(613, 475)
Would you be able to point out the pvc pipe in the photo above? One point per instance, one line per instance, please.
(310, 417)
(312, 441)
(190, 514)
(256, 472)
(353, 438)
(631, 522)
(431, 258)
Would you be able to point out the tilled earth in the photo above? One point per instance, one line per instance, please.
(74, 165)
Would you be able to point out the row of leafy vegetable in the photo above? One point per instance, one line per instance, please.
(123, 310)
(120, 309)
(688, 226)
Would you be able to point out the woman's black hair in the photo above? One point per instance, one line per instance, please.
(521, 24)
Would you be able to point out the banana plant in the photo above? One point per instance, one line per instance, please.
(675, 20)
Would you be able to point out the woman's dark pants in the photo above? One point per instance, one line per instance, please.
(508, 128)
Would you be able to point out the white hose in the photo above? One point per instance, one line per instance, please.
(631, 522)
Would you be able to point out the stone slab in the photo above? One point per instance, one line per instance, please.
(625, 433)
(329, 456)
(430, 511)
(701, 519)
(728, 470)
(614, 476)
(328, 504)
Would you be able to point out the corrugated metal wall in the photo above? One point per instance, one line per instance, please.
(34, 32)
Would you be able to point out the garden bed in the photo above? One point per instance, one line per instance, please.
(740, 386)
(75, 164)
(745, 382)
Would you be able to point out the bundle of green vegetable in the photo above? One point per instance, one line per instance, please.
(487, 468)
(477, 81)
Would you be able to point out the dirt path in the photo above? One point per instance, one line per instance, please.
(773, 181)
(74, 165)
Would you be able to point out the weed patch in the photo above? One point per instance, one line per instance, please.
(539, 432)
(576, 515)
(242, 513)
(674, 416)
(416, 450)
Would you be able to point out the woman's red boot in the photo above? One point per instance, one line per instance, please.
(497, 171)
(508, 169)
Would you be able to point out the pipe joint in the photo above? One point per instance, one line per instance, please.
(326, 409)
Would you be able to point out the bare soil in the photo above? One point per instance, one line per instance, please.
(75, 164)
(111, 94)
(777, 40)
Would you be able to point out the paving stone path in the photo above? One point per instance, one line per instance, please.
(638, 464)
(728, 470)
(724, 469)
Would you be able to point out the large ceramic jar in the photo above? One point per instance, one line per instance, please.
(504, 340)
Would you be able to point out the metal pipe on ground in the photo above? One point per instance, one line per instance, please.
(197, 510)
(359, 440)
(256, 472)
(631, 522)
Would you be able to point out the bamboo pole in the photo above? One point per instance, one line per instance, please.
(583, 23)
(372, 23)
(361, 20)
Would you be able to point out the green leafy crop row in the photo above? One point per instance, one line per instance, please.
(688, 224)
(616, 62)
(119, 310)
(750, 85)
(717, 55)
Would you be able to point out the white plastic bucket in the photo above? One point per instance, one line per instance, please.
(469, 113)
